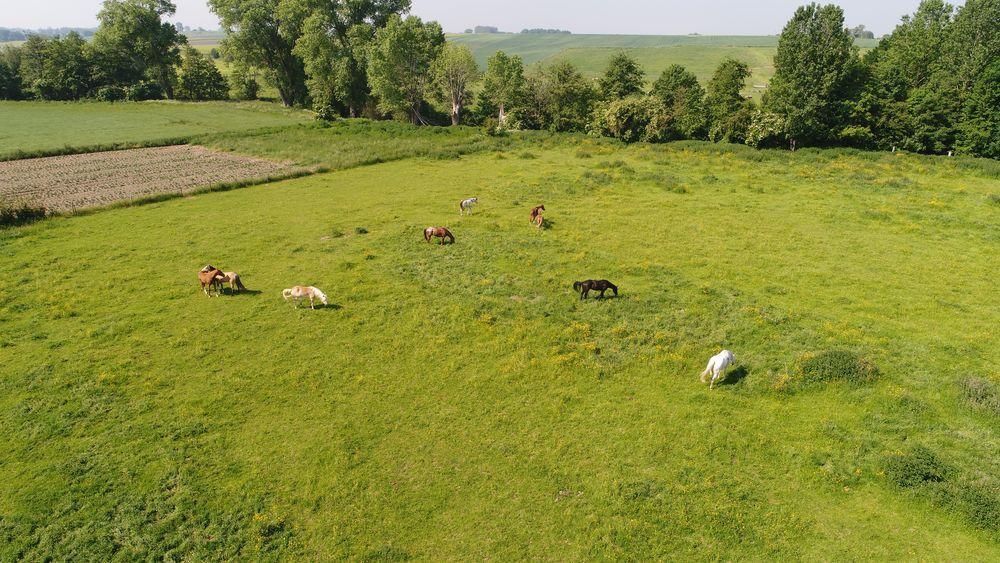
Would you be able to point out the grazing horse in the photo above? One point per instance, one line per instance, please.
(211, 279)
(467, 205)
(301, 292)
(439, 232)
(586, 287)
(535, 212)
(539, 221)
(717, 366)
(234, 281)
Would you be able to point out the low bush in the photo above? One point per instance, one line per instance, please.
(21, 213)
(109, 94)
(142, 91)
(837, 365)
(325, 112)
(915, 467)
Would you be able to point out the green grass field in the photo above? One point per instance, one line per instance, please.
(50, 126)
(459, 402)
(702, 60)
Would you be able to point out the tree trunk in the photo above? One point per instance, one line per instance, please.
(456, 110)
(503, 114)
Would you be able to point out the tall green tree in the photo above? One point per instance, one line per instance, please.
(56, 69)
(728, 111)
(564, 98)
(262, 34)
(504, 85)
(455, 71)
(622, 78)
(817, 75)
(199, 78)
(680, 91)
(336, 36)
(399, 64)
(134, 42)
(905, 61)
(11, 84)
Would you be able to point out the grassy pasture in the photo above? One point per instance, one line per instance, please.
(459, 402)
(40, 127)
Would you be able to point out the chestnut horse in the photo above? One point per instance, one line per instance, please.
(535, 212)
(439, 232)
(211, 279)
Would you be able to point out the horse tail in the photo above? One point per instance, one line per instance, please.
(577, 286)
(238, 282)
(427, 235)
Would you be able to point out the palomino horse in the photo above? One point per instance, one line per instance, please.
(301, 292)
(535, 212)
(232, 278)
(439, 232)
(586, 287)
(467, 205)
(210, 279)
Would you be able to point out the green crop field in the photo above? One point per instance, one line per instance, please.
(30, 127)
(460, 402)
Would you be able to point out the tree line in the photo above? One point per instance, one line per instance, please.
(931, 86)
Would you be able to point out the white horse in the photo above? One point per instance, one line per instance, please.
(300, 292)
(467, 205)
(717, 366)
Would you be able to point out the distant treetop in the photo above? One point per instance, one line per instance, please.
(543, 31)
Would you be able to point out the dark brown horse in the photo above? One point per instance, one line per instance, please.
(439, 232)
(535, 212)
(211, 279)
(586, 287)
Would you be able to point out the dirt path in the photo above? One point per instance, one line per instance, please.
(64, 183)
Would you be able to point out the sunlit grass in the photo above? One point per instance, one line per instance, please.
(460, 402)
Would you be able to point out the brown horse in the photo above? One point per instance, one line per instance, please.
(535, 212)
(539, 221)
(586, 287)
(439, 232)
(211, 279)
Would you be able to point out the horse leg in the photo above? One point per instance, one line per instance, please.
(311, 304)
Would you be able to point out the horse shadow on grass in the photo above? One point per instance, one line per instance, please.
(548, 224)
(734, 376)
(244, 293)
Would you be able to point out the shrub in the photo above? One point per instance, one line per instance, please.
(766, 130)
(200, 79)
(21, 213)
(493, 128)
(109, 94)
(214, 53)
(837, 365)
(325, 112)
(360, 230)
(915, 467)
(634, 119)
(982, 393)
(142, 91)
(243, 84)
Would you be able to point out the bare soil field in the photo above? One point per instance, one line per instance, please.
(66, 183)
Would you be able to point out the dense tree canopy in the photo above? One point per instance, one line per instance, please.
(684, 97)
(399, 64)
(817, 75)
(199, 78)
(564, 98)
(455, 71)
(623, 77)
(133, 42)
(504, 85)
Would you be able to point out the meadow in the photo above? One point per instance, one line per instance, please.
(460, 402)
(38, 128)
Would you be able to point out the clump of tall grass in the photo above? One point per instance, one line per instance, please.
(915, 467)
(981, 393)
(836, 365)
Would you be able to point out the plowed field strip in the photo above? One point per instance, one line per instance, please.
(65, 183)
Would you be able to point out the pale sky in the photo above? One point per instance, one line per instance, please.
(652, 17)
